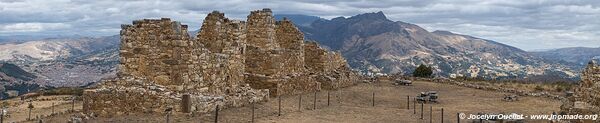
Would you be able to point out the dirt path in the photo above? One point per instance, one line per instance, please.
(354, 105)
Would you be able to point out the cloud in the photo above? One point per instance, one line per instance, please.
(527, 24)
(31, 27)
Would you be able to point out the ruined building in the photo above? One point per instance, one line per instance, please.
(229, 63)
(586, 97)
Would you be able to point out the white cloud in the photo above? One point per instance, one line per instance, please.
(32, 27)
(527, 24)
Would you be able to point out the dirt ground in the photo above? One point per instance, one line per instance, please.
(19, 112)
(355, 105)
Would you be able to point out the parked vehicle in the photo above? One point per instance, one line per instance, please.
(403, 82)
(429, 96)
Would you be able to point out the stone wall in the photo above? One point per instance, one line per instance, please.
(226, 39)
(160, 63)
(291, 41)
(330, 68)
(263, 65)
(153, 49)
(586, 97)
(230, 63)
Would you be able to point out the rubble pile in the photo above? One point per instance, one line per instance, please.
(229, 63)
(586, 97)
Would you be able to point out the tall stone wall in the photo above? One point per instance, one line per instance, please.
(153, 49)
(213, 32)
(275, 56)
(291, 41)
(263, 65)
(262, 56)
(229, 63)
(160, 63)
(227, 40)
(586, 97)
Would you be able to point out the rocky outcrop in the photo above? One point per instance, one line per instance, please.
(230, 63)
(586, 97)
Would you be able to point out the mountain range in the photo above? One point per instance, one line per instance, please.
(374, 44)
(58, 62)
(371, 42)
(577, 57)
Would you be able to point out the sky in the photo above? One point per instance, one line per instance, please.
(526, 24)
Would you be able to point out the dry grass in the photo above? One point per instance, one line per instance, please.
(19, 112)
(354, 104)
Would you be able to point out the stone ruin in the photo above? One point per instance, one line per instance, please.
(229, 63)
(586, 97)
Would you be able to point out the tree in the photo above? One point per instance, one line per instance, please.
(422, 71)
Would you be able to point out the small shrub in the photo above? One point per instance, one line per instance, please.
(538, 88)
(423, 71)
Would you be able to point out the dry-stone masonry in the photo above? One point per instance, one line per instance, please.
(229, 63)
(586, 97)
(330, 68)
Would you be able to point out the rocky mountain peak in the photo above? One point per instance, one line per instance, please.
(373, 43)
(370, 16)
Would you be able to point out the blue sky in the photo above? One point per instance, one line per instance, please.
(526, 24)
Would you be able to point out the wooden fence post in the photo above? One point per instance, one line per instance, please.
(52, 109)
(421, 111)
(315, 101)
(414, 106)
(299, 102)
(327, 98)
(442, 115)
(457, 117)
(430, 114)
(253, 112)
(373, 99)
(407, 102)
(279, 112)
(217, 114)
(73, 105)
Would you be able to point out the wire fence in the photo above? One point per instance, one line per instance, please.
(284, 105)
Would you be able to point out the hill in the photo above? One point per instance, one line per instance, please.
(375, 44)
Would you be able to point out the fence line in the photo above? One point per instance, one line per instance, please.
(293, 103)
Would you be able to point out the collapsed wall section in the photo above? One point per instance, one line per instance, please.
(330, 68)
(586, 97)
